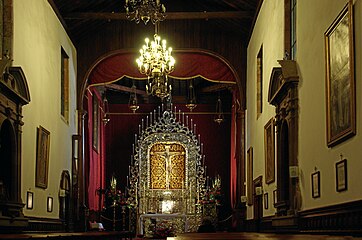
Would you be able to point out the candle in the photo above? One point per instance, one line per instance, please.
(151, 119)
(187, 121)
(203, 160)
(127, 181)
(139, 129)
(175, 113)
(195, 128)
(191, 125)
(135, 138)
(159, 112)
(202, 148)
(129, 171)
(146, 121)
(183, 118)
(179, 115)
(142, 125)
(199, 137)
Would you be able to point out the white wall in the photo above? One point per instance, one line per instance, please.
(316, 17)
(38, 38)
(268, 32)
(313, 19)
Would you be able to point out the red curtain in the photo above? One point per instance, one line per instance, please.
(188, 65)
(96, 173)
(233, 165)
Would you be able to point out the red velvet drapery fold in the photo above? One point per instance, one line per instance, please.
(96, 173)
(188, 65)
(233, 165)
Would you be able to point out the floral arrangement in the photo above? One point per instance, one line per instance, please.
(114, 196)
(213, 194)
(163, 230)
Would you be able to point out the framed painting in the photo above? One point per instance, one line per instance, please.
(269, 151)
(266, 201)
(29, 200)
(49, 204)
(42, 157)
(275, 200)
(341, 175)
(340, 80)
(95, 118)
(316, 193)
(250, 176)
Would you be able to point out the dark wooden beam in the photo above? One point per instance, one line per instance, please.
(170, 15)
(125, 89)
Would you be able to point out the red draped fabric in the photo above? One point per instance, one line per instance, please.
(233, 166)
(188, 65)
(96, 173)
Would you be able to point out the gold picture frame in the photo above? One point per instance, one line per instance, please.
(316, 184)
(42, 157)
(269, 151)
(340, 80)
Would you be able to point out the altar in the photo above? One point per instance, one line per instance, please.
(167, 175)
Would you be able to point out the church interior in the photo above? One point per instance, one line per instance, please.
(194, 119)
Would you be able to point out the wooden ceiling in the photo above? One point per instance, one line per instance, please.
(83, 18)
(79, 17)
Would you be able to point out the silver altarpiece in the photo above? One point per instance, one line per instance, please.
(167, 173)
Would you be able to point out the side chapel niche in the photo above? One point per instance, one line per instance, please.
(283, 94)
(14, 94)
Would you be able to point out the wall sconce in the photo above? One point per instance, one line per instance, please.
(29, 200)
(243, 199)
(293, 171)
(258, 191)
(50, 204)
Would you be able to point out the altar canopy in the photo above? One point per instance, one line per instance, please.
(190, 64)
(168, 180)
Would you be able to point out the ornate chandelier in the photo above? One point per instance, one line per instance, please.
(156, 62)
(145, 10)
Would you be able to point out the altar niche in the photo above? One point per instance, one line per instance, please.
(167, 174)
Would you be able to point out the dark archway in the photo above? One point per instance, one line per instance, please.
(283, 168)
(8, 159)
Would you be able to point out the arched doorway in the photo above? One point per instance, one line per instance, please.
(283, 94)
(94, 78)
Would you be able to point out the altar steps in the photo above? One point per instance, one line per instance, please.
(257, 236)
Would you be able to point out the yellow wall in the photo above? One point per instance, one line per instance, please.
(38, 38)
(313, 19)
(268, 32)
(316, 17)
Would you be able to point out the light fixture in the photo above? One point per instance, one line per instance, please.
(156, 62)
(29, 200)
(145, 10)
(105, 118)
(191, 98)
(219, 115)
(133, 103)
